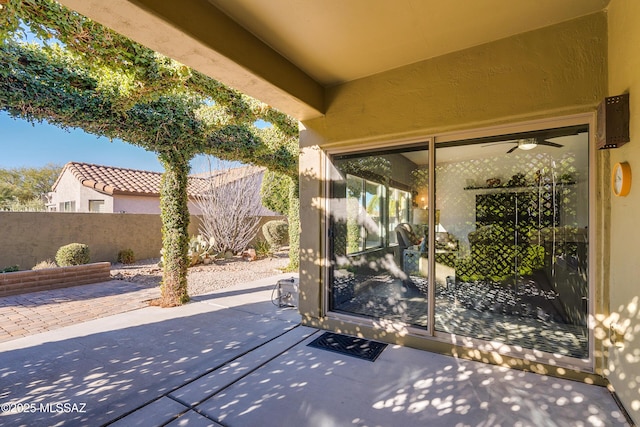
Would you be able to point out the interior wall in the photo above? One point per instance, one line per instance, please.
(458, 206)
(624, 76)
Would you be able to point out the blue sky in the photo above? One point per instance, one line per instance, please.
(24, 144)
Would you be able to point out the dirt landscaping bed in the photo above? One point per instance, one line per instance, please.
(202, 278)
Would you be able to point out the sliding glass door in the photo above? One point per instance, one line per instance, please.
(500, 223)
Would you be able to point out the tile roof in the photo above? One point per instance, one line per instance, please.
(113, 180)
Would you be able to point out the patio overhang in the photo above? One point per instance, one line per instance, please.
(290, 54)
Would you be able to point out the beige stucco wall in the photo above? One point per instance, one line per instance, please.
(144, 204)
(624, 76)
(31, 237)
(547, 73)
(552, 71)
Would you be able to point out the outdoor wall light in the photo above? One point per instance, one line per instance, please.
(612, 130)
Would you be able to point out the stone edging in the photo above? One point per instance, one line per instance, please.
(20, 282)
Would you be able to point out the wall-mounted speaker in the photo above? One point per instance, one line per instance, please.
(613, 122)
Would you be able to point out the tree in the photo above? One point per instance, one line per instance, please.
(27, 186)
(231, 207)
(275, 192)
(84, 75)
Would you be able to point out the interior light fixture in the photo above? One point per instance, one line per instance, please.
(527, 144)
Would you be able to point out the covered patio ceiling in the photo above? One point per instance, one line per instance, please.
(288, 52)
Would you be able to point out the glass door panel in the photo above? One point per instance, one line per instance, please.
(377, 220)
(512, 240)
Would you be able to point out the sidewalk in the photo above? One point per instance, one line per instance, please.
(232, 358)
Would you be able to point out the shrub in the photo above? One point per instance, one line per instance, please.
(263, 248)
(45, 264)
(10, 269)
(126, 256)
(276, 233)
(72, 254)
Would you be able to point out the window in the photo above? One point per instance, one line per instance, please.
(364, 209)
(371, 204)
(399, 203)
(96, 205)
(68, 206)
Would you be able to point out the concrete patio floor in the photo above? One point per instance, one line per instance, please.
(232, 358)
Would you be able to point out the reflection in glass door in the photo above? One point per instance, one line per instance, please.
(501, 222)
(378, 223)
(512, 240)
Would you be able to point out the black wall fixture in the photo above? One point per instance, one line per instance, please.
(613, 122)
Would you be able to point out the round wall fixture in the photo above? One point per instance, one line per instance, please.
(621, 179)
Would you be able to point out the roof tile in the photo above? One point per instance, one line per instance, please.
(114, 180)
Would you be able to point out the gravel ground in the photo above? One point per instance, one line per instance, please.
(202, 278)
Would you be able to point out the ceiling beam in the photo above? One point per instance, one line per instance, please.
(199, 35)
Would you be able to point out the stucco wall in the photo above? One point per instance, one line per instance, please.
(547, 73)
(31, 237)
(624, 76)
(70, 189)
(144, 205)
(555, 70)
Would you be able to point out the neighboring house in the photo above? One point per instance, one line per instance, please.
(85, 187)
(538, 266)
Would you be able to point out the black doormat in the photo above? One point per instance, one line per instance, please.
(349, 346)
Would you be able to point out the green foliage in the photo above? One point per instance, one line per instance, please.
(73, 254)
(33, 205)
(42, 265)
(126, 256)
(24, 188)
(200, 249)
(276, 233)
(275, 192)
(175, 223)
(263, 248)
(108, 85)
(294, 226)
(10, 269)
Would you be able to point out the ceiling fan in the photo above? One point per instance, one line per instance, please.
(526, 144)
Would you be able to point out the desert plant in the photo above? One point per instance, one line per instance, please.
(72, 254)
(45, 264)
(263, 248)
(126, 256)
(276, 233)
(10, 269)
(200, 249)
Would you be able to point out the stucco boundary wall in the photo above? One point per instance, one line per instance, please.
(21, 282)
(30, 237)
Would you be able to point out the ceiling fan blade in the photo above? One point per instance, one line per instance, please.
(550, 144)
(512, 149)
(499, 142)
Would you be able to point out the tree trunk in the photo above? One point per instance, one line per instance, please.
(294, 226)
(175, 233)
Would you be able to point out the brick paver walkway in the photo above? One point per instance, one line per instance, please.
(35, 312)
